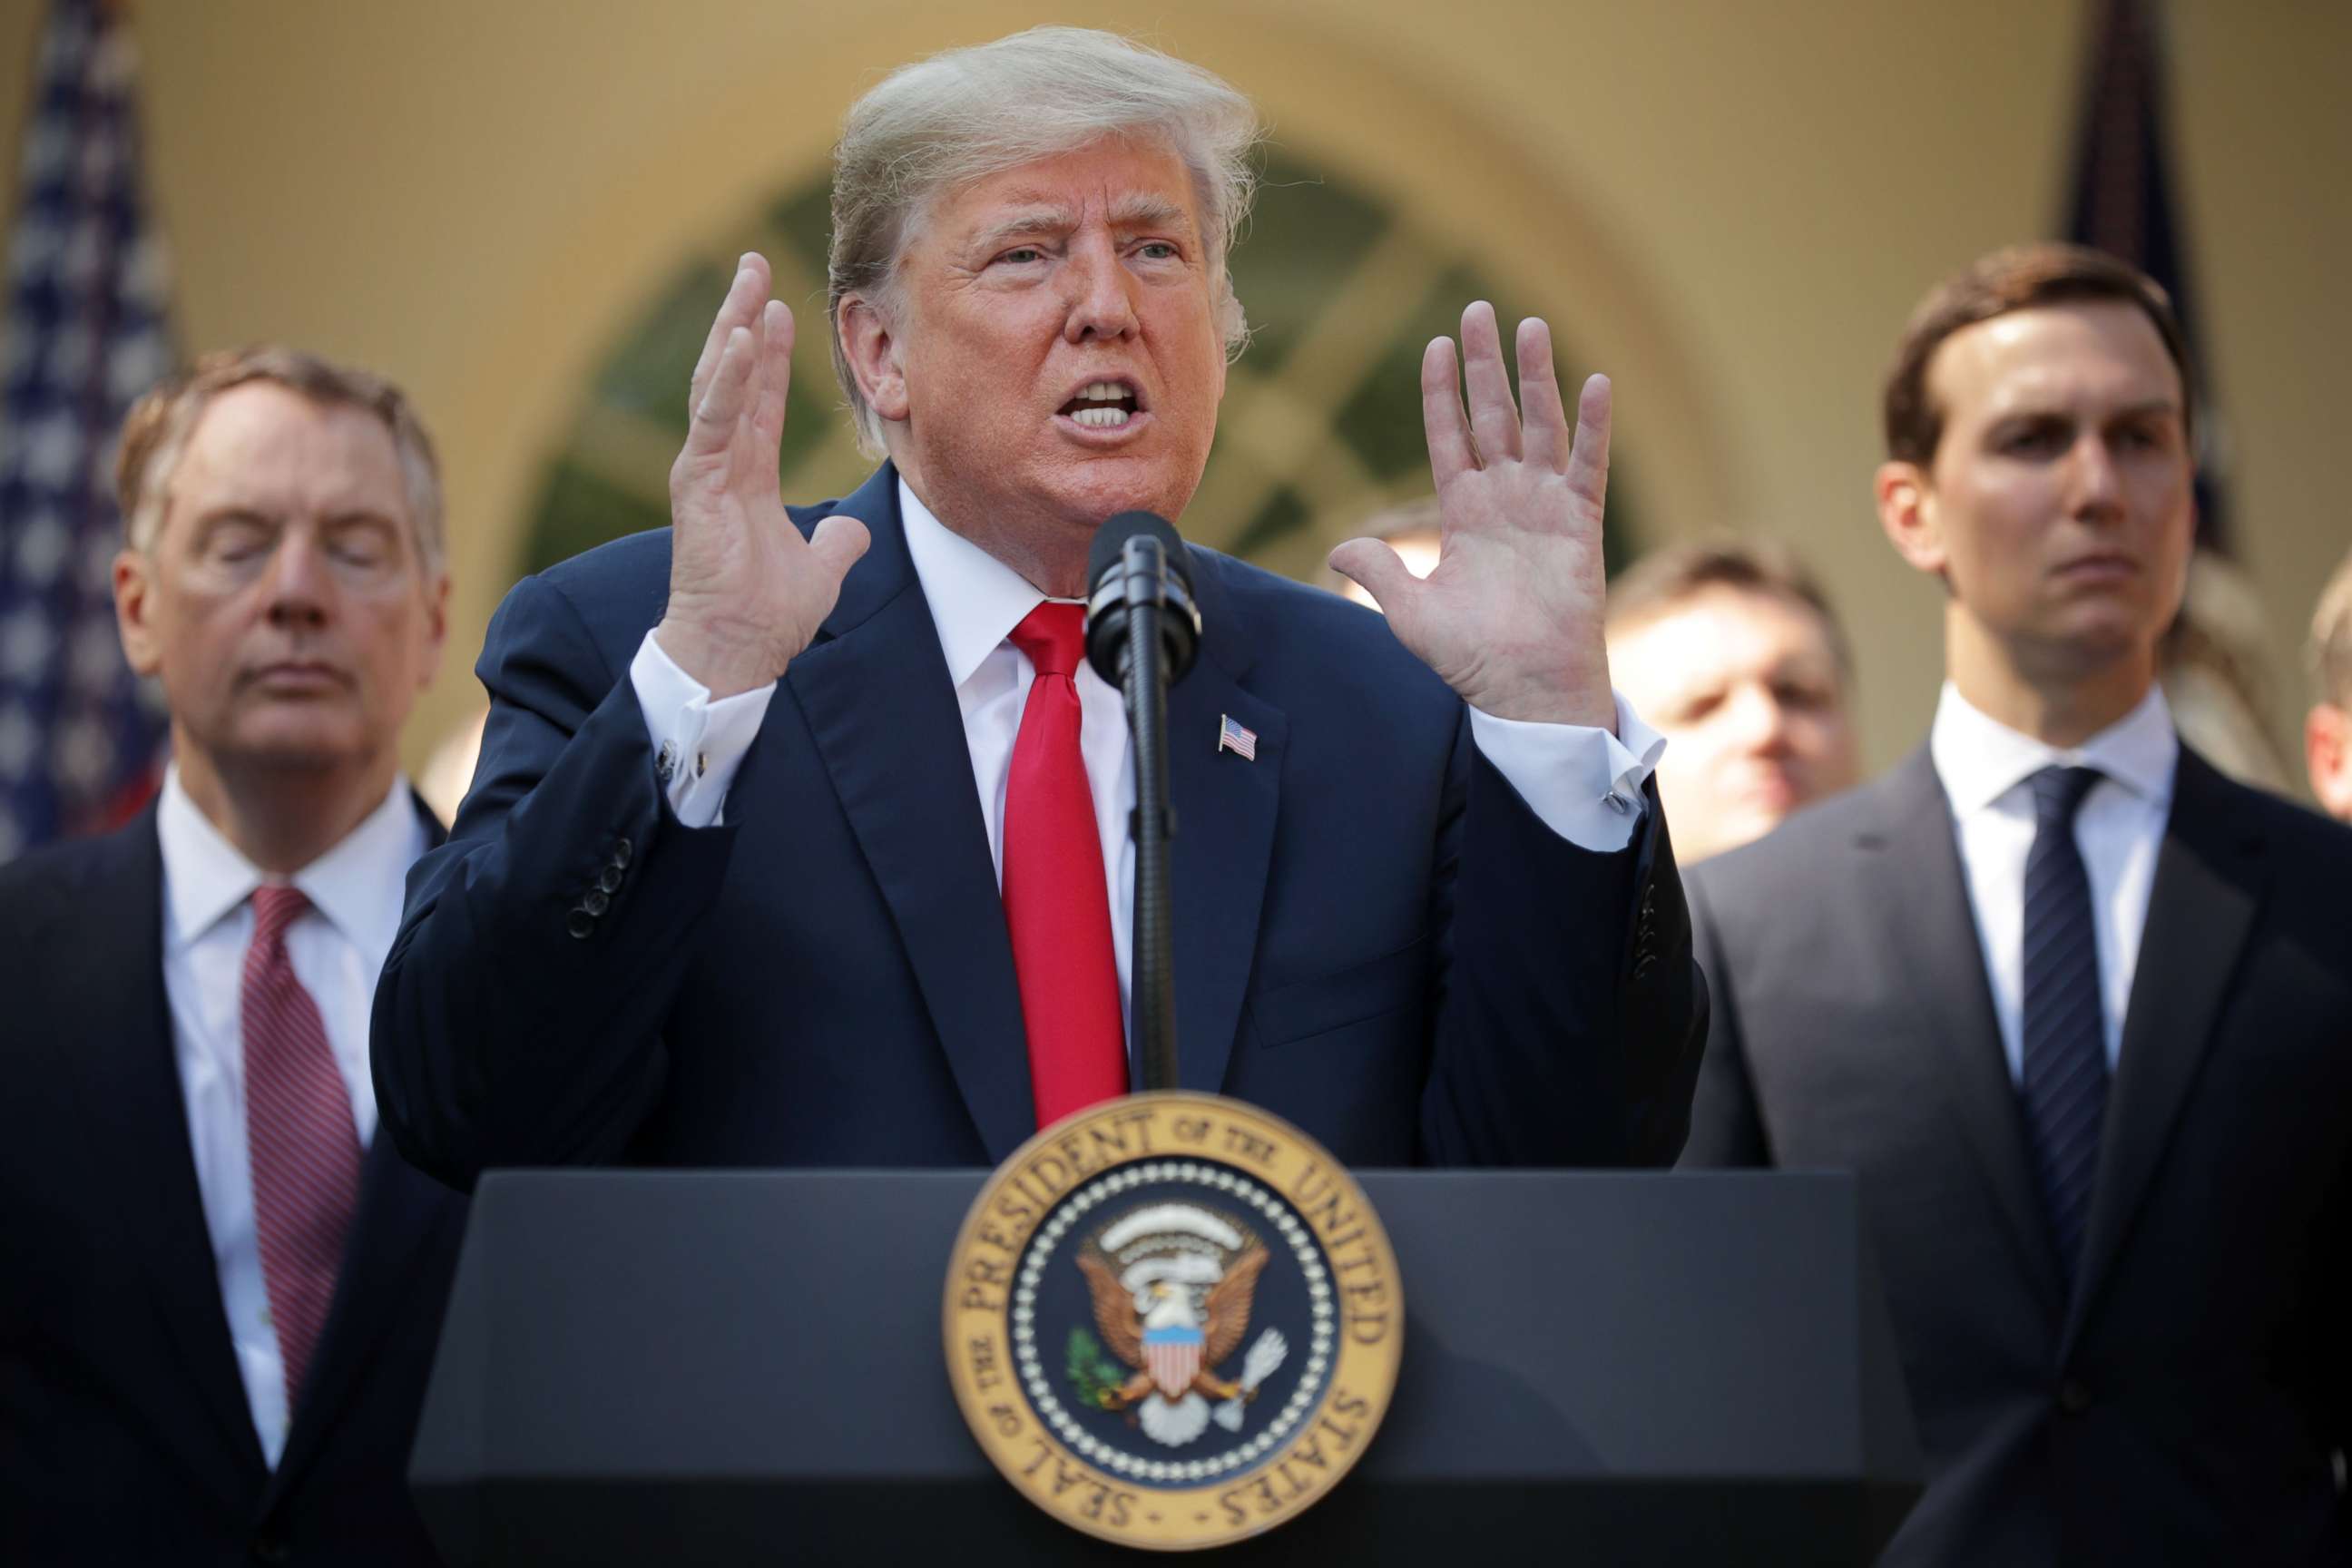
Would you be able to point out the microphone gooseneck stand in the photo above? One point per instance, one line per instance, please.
(1144, 680)
(1143, 631)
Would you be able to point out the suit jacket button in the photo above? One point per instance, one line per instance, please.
(580, 924)
(2074, 1398)
(594, 902)
(269, 1549)
(621, 853)
(608, 881)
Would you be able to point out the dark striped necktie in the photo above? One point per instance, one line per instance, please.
(2064, 1034)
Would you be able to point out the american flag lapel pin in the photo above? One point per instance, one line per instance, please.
(1235, 738)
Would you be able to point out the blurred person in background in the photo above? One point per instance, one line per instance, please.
(1732, 651)
(2327, 728)
(2071, 1002)
(219, 1290)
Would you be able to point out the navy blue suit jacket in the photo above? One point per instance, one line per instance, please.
(125, 1433)
(1375, 937)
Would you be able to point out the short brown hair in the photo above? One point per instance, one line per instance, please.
(2017, 278)
(1670, 576)
(156, 431)
(2331, 638)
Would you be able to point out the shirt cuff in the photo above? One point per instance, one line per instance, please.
(1583, 783)
(698, 743)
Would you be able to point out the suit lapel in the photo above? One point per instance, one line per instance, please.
(130, 1080)
(2208, 876)
(1228, 803)
(1920, 896)
(875, 690)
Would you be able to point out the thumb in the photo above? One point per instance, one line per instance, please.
(1377, 568)
(837, 543)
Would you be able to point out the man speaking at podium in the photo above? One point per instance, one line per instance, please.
(801, 839)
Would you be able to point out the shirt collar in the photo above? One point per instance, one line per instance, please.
(1979, 759)
(205, 877)
(976, 600)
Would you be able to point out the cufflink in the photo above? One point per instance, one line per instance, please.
(1615, 800)
(666, 763)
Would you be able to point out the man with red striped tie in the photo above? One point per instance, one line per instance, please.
(800, 836)
(220, 1291)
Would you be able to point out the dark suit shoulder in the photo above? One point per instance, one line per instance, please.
(1307, 634)
(52, 883)
(623, 582)
(2318, 845)
(1803, 855)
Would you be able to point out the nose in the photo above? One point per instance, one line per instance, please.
(1760, 719)
(2095, 490)
(1100, 306)
(298, 582)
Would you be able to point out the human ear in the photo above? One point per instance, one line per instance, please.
(1907, 510)
(872, 350)
(134, 610)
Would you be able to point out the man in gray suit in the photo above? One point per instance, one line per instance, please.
(2077, 1008)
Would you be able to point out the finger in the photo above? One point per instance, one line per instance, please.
(837, 543)
(774, 386)
(1375, 567)
(1588, 466)
(739, 308)
(720, 408)
(1546, 419)
(1449, 452)
(1493, 417)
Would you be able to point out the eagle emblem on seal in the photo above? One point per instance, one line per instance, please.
(1171, 1286)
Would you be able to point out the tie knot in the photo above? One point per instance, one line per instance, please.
(1054, 636)
(2059, 791)
(275, 909)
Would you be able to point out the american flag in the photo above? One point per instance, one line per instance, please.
(80, 739)
(1172, 1356)
(1232, 737)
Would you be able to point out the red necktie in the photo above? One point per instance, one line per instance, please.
(299, 1135)
(1057, 903)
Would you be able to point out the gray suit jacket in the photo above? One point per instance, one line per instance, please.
(2183, 1406)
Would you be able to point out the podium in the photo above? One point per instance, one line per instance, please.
(728, 1367)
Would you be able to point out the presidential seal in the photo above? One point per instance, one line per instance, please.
(1172, 1320)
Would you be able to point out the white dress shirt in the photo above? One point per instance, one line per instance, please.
(337, 947)
(1984, 766)
(1583, 783)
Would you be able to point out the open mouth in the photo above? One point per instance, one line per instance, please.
(1103, 404)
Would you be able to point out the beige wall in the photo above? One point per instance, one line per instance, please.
(1739, 206)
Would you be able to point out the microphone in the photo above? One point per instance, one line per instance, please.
(1139, 562)
(1142, 632)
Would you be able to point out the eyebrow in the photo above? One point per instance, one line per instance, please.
(1129, 212)
(2153, 406)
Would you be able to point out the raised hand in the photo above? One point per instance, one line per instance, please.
(747, 592)
(1511, 615)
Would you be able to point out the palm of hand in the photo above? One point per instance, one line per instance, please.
(747, 592)
(1510, 616)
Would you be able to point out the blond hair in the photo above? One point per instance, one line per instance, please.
(966, 114)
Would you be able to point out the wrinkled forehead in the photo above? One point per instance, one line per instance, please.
(268, 447)
(1726, 629)
(1125, 183)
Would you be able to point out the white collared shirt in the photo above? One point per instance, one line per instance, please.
(1984, 766)
(337, 948)
(1567, 773)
